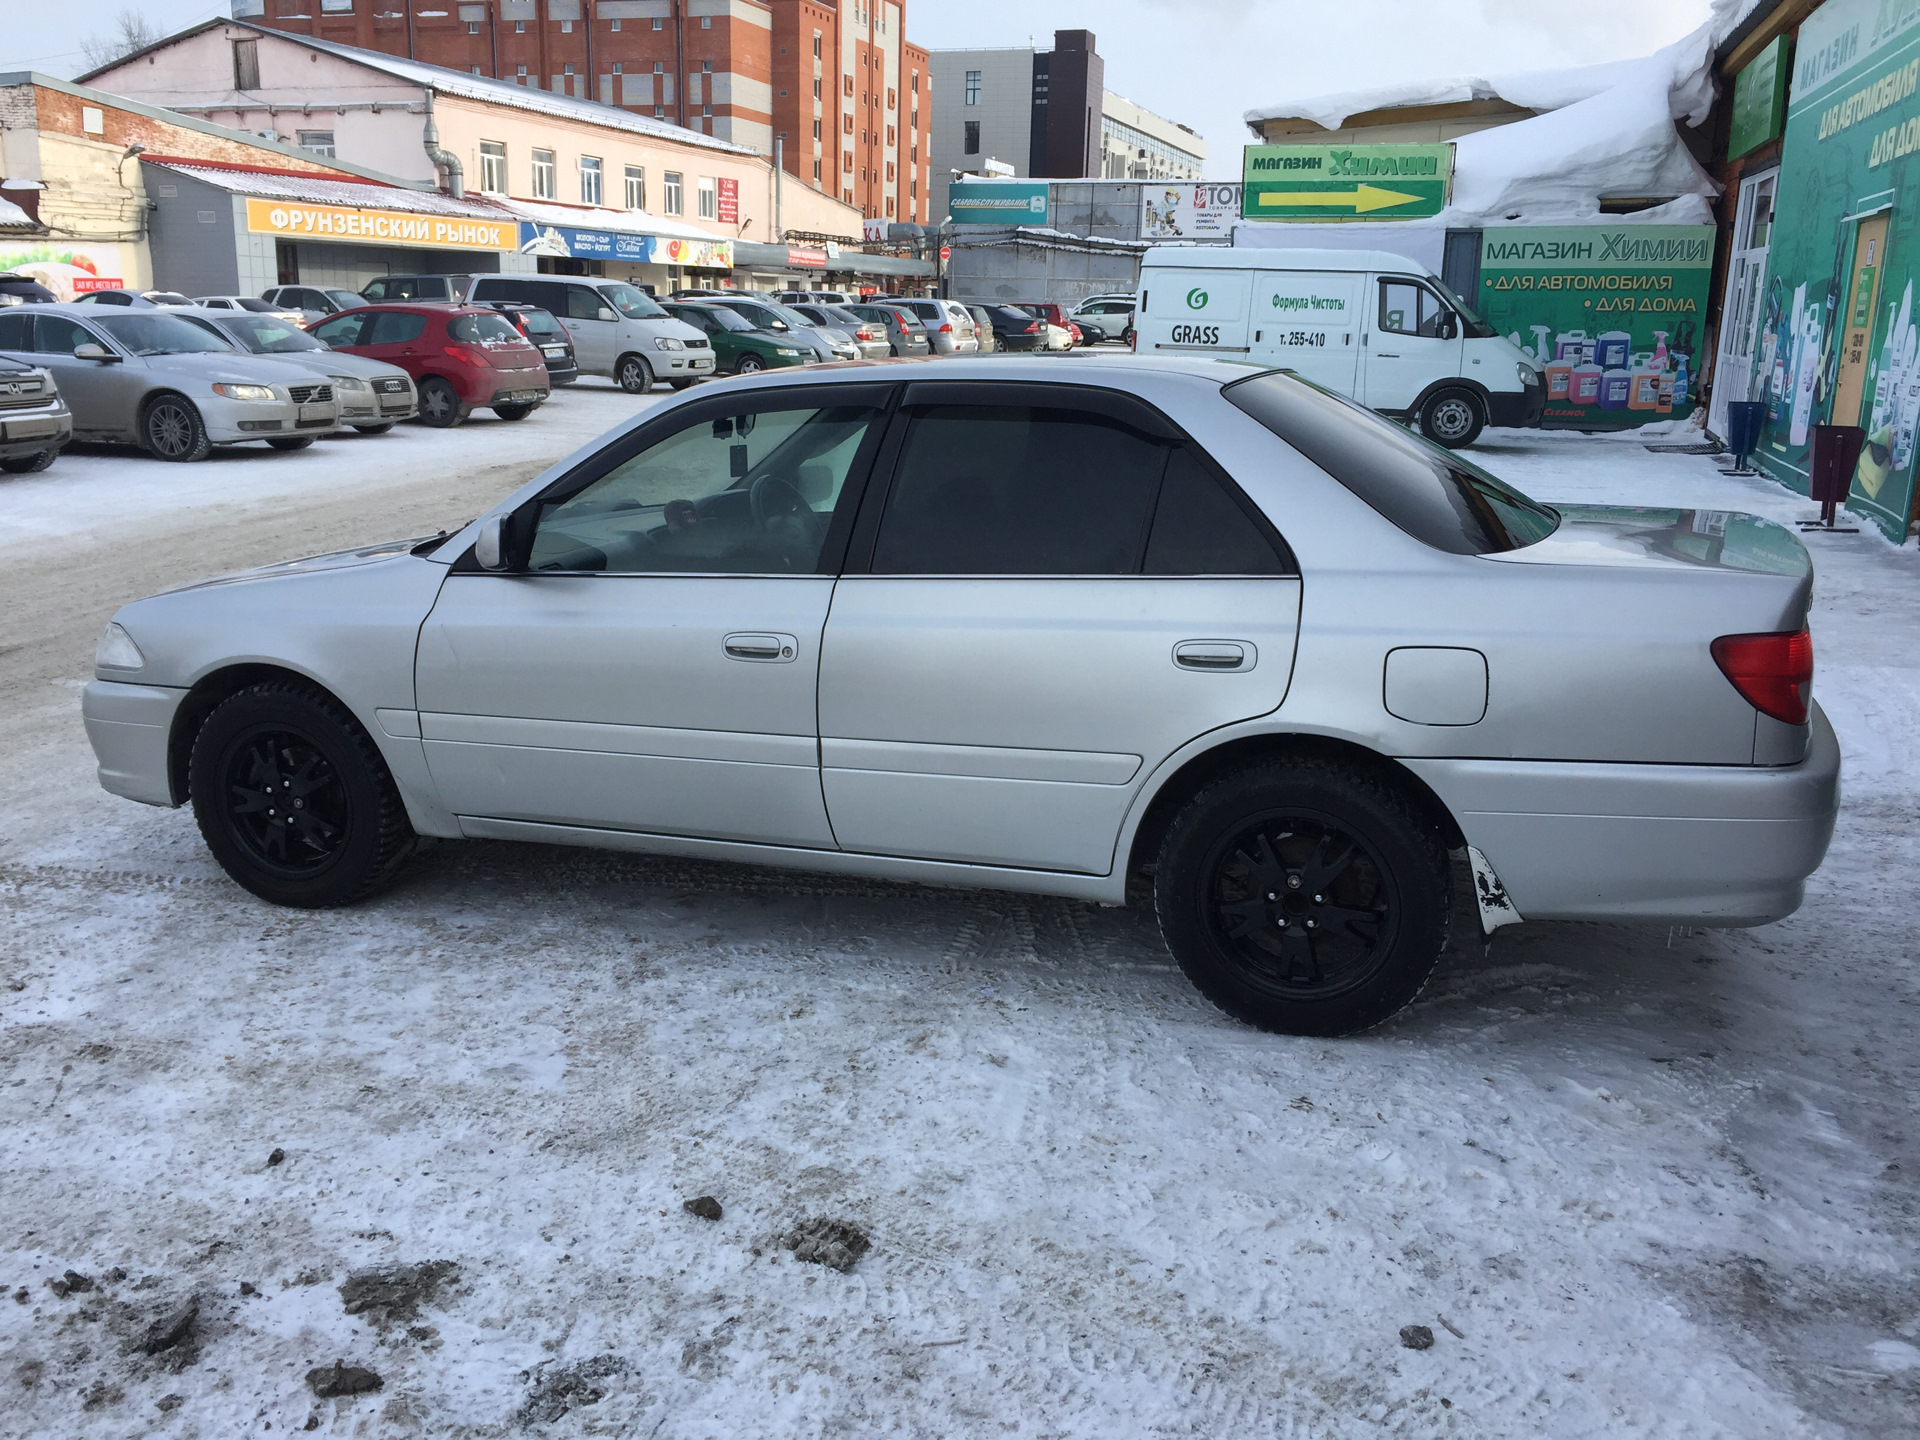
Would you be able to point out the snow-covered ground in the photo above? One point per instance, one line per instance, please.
(1635, 1182)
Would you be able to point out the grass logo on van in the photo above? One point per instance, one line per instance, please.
(1196, 299)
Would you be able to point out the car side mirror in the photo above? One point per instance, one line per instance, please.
(91, 351)
(490, 545)
(605, 314)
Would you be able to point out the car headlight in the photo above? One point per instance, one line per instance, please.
(784, 350)
(235, 391)
(1528, 375)
(667, 342)
(116, 650)
(350, 382)
(13, 299)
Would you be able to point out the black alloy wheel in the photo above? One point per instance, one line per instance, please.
(440, 404)
(1452, 418)
(1307, 897)
(293, 799)
(172, 429)
(634, 374)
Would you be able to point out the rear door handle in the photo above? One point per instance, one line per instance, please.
(1215, 655)
(767, 649)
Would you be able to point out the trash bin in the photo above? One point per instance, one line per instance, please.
(1744, 418)
(1836, 451)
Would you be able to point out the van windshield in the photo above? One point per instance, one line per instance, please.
(630, 302)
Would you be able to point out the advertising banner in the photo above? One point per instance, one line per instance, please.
(727, 201)
(573, 243)
(1188, 210)
(296, 221)
(67, 270)
(998, 202)
(1759, 100)
(1613, 314)
(1838, 337)
(1346, 182)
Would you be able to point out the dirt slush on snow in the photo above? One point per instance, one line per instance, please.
(424, 1167)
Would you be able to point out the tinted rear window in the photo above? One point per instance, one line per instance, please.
(1431, 493)
(481, 329)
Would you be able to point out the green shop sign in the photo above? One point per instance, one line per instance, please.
(998, 202)
(1759, 100)
(1839, 337)
(1345, 182)
(1613, 315)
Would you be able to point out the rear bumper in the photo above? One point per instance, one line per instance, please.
(129, 727)
(1517, 409)
(1668, 844)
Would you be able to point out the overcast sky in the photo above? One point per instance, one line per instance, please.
(1199, 62)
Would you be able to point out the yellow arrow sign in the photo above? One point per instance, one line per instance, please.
(1362, 198)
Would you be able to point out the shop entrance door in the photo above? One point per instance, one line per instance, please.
(1741, 306)
(1869, 247)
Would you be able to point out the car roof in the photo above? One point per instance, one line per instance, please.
(1109, 369)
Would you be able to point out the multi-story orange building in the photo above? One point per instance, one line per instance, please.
(834, 83)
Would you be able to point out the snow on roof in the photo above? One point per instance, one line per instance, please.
(320, 190)
(505, 92)
(12, 217)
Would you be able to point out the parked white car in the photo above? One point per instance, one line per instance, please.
(374, 396)
(1167, 621)
(617, 330)
(1105, 319)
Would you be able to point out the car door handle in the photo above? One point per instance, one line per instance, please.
(765, 648)
(1214, 655)
(1386, 355)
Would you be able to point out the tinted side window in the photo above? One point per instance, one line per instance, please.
(342, 330)
(57, 335)
(375, 290)
(1409, 309)
(584, 304)
(13, 331)
(1199, 529)
(395, 327)
(1005, 490)
(488, 289)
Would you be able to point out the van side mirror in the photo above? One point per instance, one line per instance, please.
(91, 351)
(490, 545)
(1449, 326)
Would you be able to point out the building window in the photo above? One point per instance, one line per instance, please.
(590, 191)
(670, 197)
(636, 188)
(889, 205)
(566, 27)
(709, 206)
(890, 98)
(520, 76)
(846, 123)
(659, 24)
(973, 87)
(706, 67)
(847, 83)
(659, 67)
(916, 82)
(706, 22)
(816, 172)
(473, 27)
(816, 87)
(706, 111)
(318, 141)
(846, 162)
(520, 28)
(972, 147)
(617, 68)
(493, 167)
(816, 44)
(567, 69)
(816, 129)
(543, 174)
(476, 69)
(889, 172)
(246, 64)
(889, 137)
(659, 112)
(616, 27)
(335, 6)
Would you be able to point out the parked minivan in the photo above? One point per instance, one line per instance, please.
(616, 328)
(1376, 326)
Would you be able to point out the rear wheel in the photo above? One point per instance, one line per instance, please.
(28, 464)
(750, 365)
(513, 412)
(380, 429)
(1452, 418)
(1305, 897)
(171, 429)
(634, 374)
(293, 799)
(678, 384)
(291, 442)
(440, 404)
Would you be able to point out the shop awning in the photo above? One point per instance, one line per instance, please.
(315, 207)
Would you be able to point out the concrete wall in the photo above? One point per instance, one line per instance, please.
(193, 237)
(1002, 266)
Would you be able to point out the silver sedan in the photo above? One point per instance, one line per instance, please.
(374, 396)
(169, 384)
(1223, 635)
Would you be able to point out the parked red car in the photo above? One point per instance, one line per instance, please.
(1055, 315)
(459, 356)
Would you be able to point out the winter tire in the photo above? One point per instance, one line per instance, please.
(513, 412)
(293, 800)
(379, 429)
(440, 404)
(29, 464)
(291, 442)
(749, 365)
(678, 384)
(1452, 418)
(1305, 897)
(634, 374)
(171, 429)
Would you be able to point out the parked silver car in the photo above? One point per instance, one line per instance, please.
(252, 306)
(314, 302)
(868, 338)
(374, 396)
(1223, 633)
(35, 425)
(826, 342)
(165, 382)
(951, 330)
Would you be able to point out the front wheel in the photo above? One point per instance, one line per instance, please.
(28, 464)
(678, 384)
(291, 442)
(1452, 418)
(380, 429)
(1305, 897)
(513, 412)
(634, 375)
(750, 365)
(171, 429)
(440, 404)
(293, 800)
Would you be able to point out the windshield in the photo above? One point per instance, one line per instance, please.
(729, 319)
(761, 317)
(1431, 493)
(151, 333)
(482, 330)
(1476, 328)
(791, 316)
(345, 299)
(269, 337)
(632, 303)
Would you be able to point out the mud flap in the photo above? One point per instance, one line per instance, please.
(1495, 908)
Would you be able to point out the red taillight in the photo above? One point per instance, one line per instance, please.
(1034, 328)
(946, 329)
(1773, 672)
(466, 356)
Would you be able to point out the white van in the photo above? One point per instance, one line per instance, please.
(1376, 326)
(616, 328)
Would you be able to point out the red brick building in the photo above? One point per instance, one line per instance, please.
(834, 81)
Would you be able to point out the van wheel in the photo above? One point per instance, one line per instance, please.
(1452, 418)
(1305, 897)
(634, 375)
